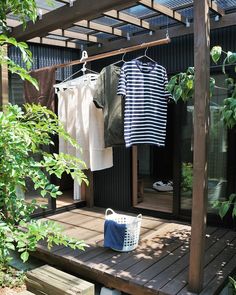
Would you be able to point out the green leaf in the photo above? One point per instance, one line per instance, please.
(10, 246)
(24, 256)
(216, 53)
(21, 244)
(224, 209)
(232, 198)
(177, 93)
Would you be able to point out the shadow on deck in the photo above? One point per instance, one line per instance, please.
(158, 266)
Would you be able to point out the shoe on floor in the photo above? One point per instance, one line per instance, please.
(163, 186)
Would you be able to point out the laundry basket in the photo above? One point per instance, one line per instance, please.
(132, 229)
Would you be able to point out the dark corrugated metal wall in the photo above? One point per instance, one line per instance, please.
(42, 56)
(46, 56)
(112, 187)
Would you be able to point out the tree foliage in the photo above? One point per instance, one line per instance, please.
(181, 86)
(25, 10)
(22, 135)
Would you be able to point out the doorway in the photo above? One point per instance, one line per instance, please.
(152, 171)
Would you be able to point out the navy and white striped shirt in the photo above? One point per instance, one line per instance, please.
(145, 115)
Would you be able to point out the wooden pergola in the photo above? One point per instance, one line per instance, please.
(100, 26)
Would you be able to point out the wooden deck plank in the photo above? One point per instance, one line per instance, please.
(161, 259)
(72, 219)
(136, 256)
(81, 233)
(177, 283)
(217, 264)
(98, 212)
(221, 277)
(156, 268)
(180, 267)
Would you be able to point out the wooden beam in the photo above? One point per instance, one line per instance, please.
(75, 35)
(46, 41)
(215, 8)
(175, 31)
(201, 134)
(93, 26)
(66, 16)
(125, 17)
(13, 22)
(163, 10)
(100, 28)
(112, 53)
(53, 42)
(4, 95)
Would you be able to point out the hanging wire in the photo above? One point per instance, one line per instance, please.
(167, 27)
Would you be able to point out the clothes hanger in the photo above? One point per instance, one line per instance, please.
(67, 83)
(121, 60)
(146, 56)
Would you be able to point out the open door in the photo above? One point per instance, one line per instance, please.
(152, 173)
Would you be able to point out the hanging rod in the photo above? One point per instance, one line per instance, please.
(110, 53)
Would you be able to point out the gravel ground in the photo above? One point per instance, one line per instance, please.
(8, 291)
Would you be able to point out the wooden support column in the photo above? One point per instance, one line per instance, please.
(134, 175)
(88, 194)
(201, 128)
(4, 96)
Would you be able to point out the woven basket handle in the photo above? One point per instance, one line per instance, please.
(109, 210)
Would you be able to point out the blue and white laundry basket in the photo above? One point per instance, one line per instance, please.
(130, 225)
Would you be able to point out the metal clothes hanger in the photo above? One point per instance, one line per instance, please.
(67, 83)
(146, 56)
(121, 60)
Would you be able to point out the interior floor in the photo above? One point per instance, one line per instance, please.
(151, 199)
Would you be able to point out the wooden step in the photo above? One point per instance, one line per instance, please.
(47, 280)
(25, 293)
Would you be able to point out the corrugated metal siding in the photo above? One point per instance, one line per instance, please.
(46, 56)
(112, 187)
(43, 56)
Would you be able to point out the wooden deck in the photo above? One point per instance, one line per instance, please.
(158, 266)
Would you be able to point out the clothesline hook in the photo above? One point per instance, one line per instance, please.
(145, 52)
(84, 55)
(167, 27)
(123, 56)
(84, 67)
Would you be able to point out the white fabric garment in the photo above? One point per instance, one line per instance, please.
(90, 128)
(67, 100)
(76, 191)
(62, 115)
(84, 122)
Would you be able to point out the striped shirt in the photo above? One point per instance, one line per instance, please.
(143, 86)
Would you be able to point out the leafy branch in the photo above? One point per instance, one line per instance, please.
(26, 56)
(23, 132)
(25, 10)
(224, 206)
(181, 86)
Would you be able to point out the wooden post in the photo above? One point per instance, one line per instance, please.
(201, 128)
(134, 175)
(89, 197)
(4, 96)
